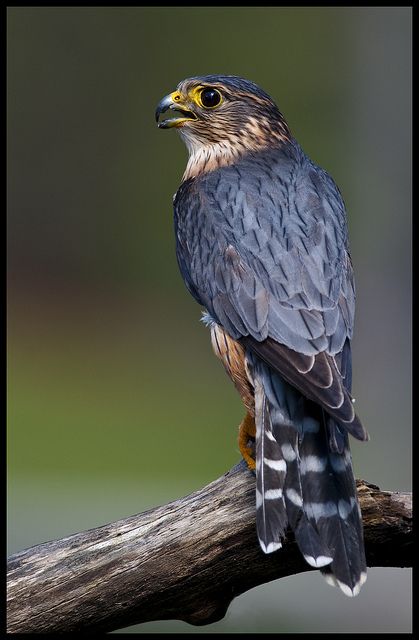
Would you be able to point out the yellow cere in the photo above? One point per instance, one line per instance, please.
(176, 96)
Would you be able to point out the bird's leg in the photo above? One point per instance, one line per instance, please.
(247, 430)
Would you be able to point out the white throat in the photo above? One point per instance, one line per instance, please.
(205, 156)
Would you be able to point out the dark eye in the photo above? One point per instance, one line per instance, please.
(210, 97)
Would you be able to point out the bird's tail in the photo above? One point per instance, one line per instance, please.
(304, 479)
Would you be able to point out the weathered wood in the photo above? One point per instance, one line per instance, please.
(186, 560)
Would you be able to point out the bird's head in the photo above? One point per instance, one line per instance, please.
(221, 117)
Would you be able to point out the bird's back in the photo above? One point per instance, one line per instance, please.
(285, 217)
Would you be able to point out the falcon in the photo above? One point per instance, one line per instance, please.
(262, 245)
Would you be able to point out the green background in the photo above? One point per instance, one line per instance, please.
(115, 400)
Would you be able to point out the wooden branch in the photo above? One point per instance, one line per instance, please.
(186, 560)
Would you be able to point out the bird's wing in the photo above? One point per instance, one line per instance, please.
(280, 281)
(244, 302)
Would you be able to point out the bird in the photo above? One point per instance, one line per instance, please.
(262, 245)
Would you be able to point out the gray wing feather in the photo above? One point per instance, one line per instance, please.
(269, 260)
(281, 264)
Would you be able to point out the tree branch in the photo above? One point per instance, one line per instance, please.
(186, 560)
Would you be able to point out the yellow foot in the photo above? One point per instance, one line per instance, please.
(247, 430)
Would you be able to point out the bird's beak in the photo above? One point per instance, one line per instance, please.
(174, 102)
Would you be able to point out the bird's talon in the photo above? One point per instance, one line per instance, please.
(247, 432)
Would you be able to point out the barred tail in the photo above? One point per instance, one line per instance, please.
(306, 482)
(271, 515)
(310, 543)
(331, 504)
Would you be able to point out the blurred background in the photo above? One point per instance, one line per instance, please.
(115, 400)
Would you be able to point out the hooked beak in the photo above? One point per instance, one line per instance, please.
(173, 102)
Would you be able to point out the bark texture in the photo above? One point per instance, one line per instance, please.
(186, 560)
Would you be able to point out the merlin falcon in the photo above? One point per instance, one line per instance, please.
(262, 245)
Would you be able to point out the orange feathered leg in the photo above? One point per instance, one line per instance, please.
(247, 430)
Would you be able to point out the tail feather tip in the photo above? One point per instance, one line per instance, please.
(320, 561)
(270, 547)
(349, 591)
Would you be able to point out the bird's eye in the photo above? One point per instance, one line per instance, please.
(210, 97)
